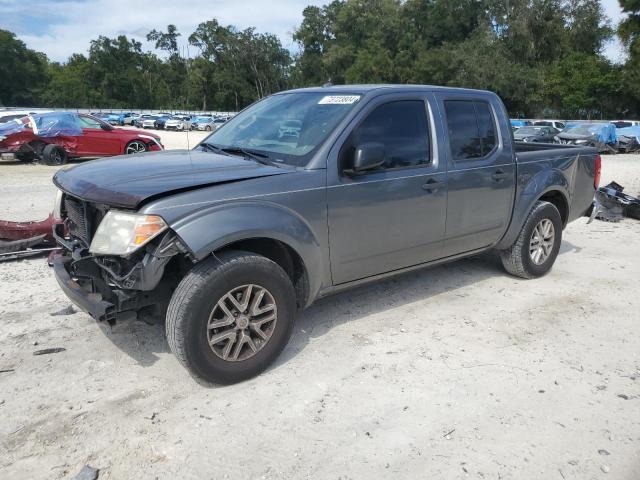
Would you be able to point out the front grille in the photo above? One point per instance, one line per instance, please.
(78, 222)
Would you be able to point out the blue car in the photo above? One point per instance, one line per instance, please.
(122, 118)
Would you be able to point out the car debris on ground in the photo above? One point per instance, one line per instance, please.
(612, 205)
(26, 239)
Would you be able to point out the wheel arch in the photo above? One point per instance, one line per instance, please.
(548, 185)
(271, 230)
(282, 254)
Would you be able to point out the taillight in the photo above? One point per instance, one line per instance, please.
(596, 178)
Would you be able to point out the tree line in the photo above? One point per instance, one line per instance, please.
(543, 57)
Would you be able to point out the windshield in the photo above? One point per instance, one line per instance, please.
(583, 129)
(267, 126)
(528, 130)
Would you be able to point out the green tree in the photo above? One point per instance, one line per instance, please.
(22, 72)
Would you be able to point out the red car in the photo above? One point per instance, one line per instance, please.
(57, 136)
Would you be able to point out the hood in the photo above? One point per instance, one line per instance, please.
(128, 180)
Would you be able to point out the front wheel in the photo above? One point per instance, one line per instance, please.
(231, 316)
(135, 146)
(54, 155)
(536, 248)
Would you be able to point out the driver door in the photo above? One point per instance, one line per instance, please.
(96, 141)
(393, 216)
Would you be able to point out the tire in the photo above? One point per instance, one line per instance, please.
(208, 128)
(522, 259)
(195, 304)
(54, 155)
(135, 146)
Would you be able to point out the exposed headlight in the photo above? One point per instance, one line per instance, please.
(121, 233)
(57, 206)
(525, 139)
(581, 141)
(556, 139)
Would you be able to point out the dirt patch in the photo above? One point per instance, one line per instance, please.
(460, 371)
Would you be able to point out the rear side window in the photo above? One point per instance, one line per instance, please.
(402, 128)
(472, 131)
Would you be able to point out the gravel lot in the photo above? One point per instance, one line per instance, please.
(459, 371)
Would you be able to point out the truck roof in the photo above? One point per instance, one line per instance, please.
(366, 88)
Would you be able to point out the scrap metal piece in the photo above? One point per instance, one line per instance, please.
(25, 230)
(612, 205)
(47, 351)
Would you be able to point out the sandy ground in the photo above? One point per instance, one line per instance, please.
(455, 372)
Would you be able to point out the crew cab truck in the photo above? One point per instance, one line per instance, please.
(231, 238)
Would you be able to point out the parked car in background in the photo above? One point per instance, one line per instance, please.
(600, 135)
(6, 115)
(57, 136)
(628, 139)
(230, 239)
(104, 116)
(178, 122)
(122, 118)
(149, 121)
(161, 120)
(195, 120)
(517, 123)
(536, 134)
(211, 125)
(137, 122)
(625, 123)
(558, 124)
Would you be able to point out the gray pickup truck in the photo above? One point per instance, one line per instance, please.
(228, 240)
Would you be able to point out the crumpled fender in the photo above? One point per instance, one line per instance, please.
(528, 190)
(208, 230)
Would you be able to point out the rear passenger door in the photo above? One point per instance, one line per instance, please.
(393, 216)
(480, 174)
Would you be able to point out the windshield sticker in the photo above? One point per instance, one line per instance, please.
(339, 99)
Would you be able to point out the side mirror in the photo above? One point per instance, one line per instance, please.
(106, 127)
(368, 156)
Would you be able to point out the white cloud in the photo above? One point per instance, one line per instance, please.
(72, 24)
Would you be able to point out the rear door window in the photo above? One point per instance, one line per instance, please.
(471, 126)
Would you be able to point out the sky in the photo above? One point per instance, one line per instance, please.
(62, 27)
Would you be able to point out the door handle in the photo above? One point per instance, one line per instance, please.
(499, 175)
(432, 184)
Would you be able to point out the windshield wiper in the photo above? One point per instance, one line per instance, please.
(259, 157)
(213, 148)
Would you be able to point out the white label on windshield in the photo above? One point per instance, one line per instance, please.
(339, 99)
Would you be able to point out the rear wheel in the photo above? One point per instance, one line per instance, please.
(231, 316)
(54, 155)
(536, 248)
(135, 146)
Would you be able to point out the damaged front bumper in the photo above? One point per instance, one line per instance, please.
(88, 301)
(114, 288)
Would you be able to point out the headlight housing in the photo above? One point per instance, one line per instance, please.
(121, 233)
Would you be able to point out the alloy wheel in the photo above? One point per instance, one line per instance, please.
(542, 240)
(135, 147)
(242, 322)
